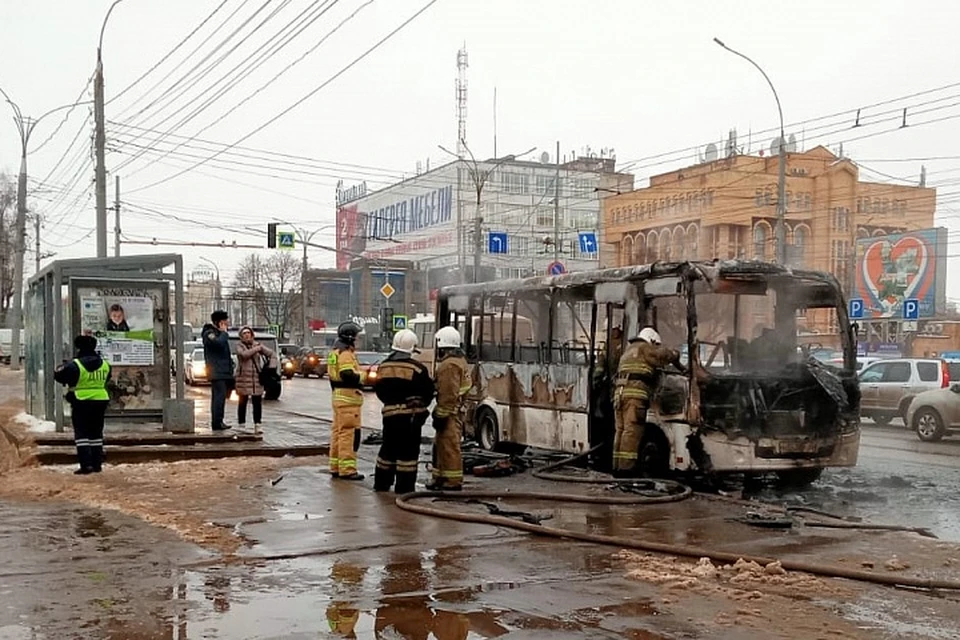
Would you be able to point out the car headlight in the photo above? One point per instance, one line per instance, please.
(198, 369)
(288, 365)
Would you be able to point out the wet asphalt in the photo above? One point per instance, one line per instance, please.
(329, 559)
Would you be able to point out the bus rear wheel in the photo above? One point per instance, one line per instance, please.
(653, 458)
(486, 428)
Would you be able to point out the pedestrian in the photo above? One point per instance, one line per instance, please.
(638, 373)
(453, 382)
(346, 384)
(86, 376)
(405, 388)
(252, 359)
(216, 356)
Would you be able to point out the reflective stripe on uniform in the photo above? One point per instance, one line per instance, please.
(634, 392)
(623, 455)
(409, 466)
(448, 475)
(386, 465)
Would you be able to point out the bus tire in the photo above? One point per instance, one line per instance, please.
(653, 456)
(486, 428)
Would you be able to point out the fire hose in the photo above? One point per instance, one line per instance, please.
(670, 491)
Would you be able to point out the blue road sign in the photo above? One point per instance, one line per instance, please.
(588, 242)
(856, 308)
(286, 240)
(556, 269)
(399, 322)
(497, 242)
(911, 309)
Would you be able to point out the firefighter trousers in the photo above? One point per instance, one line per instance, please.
(448, 463)
(631, 418)
(399, 453)
(87, 417)
(344, 440)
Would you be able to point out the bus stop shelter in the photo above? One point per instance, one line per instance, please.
(126, 303)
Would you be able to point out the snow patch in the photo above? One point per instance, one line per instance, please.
(34, 424)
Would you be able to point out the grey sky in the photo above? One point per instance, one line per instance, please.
(609, 73)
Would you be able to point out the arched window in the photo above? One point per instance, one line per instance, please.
(761, 234)
(693, 242)
(680, 244)
(666, 250)
(862, 233)
(801, 238)
(639, 249)
(653, 247)
(626, 251)
(879, 232)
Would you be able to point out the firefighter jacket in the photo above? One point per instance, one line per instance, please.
(344, 372)
(640, 368)
(453, 383)
(403, 385)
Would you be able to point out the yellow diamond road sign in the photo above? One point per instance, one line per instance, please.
(387, 290)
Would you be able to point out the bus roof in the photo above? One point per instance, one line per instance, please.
(702, 270)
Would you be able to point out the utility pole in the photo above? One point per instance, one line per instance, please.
(556, 209)
(36, 233)
(782, 164)
(116, 222)
(100, 143)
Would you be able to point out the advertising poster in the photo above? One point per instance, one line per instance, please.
(350, 240)
(123, 326)
(894, 268)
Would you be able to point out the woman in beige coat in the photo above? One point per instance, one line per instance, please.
(251, 358)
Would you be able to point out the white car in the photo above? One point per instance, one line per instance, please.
(888, 386)
(934, 414)
(195, 368)
(862, 361)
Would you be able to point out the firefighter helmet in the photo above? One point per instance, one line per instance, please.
(649, 334)
(348, 331)
(405, 341)
(448, 338)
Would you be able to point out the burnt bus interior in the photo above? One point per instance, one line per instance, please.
(739, 319)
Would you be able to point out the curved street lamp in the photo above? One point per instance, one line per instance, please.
(782, 168)
(100, 142)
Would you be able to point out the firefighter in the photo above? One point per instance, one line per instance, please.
(405, 388)
(637, 375)
(86, 376)
(346, 383)
(453, 382)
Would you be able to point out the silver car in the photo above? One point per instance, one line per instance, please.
(887, 387)
(933, 414)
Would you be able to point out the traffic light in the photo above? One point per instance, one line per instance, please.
(272, 235)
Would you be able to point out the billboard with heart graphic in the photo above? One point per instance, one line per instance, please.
(906, 266)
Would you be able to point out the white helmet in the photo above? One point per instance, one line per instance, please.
(649, 334)
(405, 341)
(447, 338)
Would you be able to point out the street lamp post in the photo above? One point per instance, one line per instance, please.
(782, 168)
(479, 179)
(25, 127)
(100, 143)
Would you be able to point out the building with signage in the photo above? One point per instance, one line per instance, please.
(430, 220)
(328, 297)
(726, 208)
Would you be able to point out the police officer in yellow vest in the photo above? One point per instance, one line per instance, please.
(637, 376)
(86, 376)
(346, 383)
(453, 382)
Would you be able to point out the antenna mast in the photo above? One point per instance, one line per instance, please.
(462, 101)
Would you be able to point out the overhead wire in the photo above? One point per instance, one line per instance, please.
(296, 104)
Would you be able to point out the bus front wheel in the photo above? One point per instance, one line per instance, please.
(486, 428)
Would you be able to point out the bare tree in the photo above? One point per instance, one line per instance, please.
(8, 208)
(272, 285)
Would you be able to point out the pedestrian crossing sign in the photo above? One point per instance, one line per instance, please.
(286, 240)
(399, 323)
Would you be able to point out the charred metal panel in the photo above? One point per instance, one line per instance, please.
(565, 431)
(740, 454)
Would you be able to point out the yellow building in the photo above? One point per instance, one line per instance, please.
(727, 209)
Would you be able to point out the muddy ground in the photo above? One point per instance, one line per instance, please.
(273, 548)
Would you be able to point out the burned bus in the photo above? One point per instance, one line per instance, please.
(751, 400)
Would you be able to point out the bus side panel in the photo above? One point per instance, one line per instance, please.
(539, 405)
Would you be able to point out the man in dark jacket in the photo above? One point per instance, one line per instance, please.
(86, 376)
(216, 356)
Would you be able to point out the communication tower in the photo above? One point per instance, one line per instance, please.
(462, 101)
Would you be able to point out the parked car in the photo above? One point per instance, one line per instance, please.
(288, 363)
(934, 414)
(369, 364)
(311, 361)
(888, 386)
(195, 368)
(862, 361)
(188, 349)
(6, 344)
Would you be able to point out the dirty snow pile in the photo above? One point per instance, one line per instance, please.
(16, 448)
(34, 424)
(676, 573)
